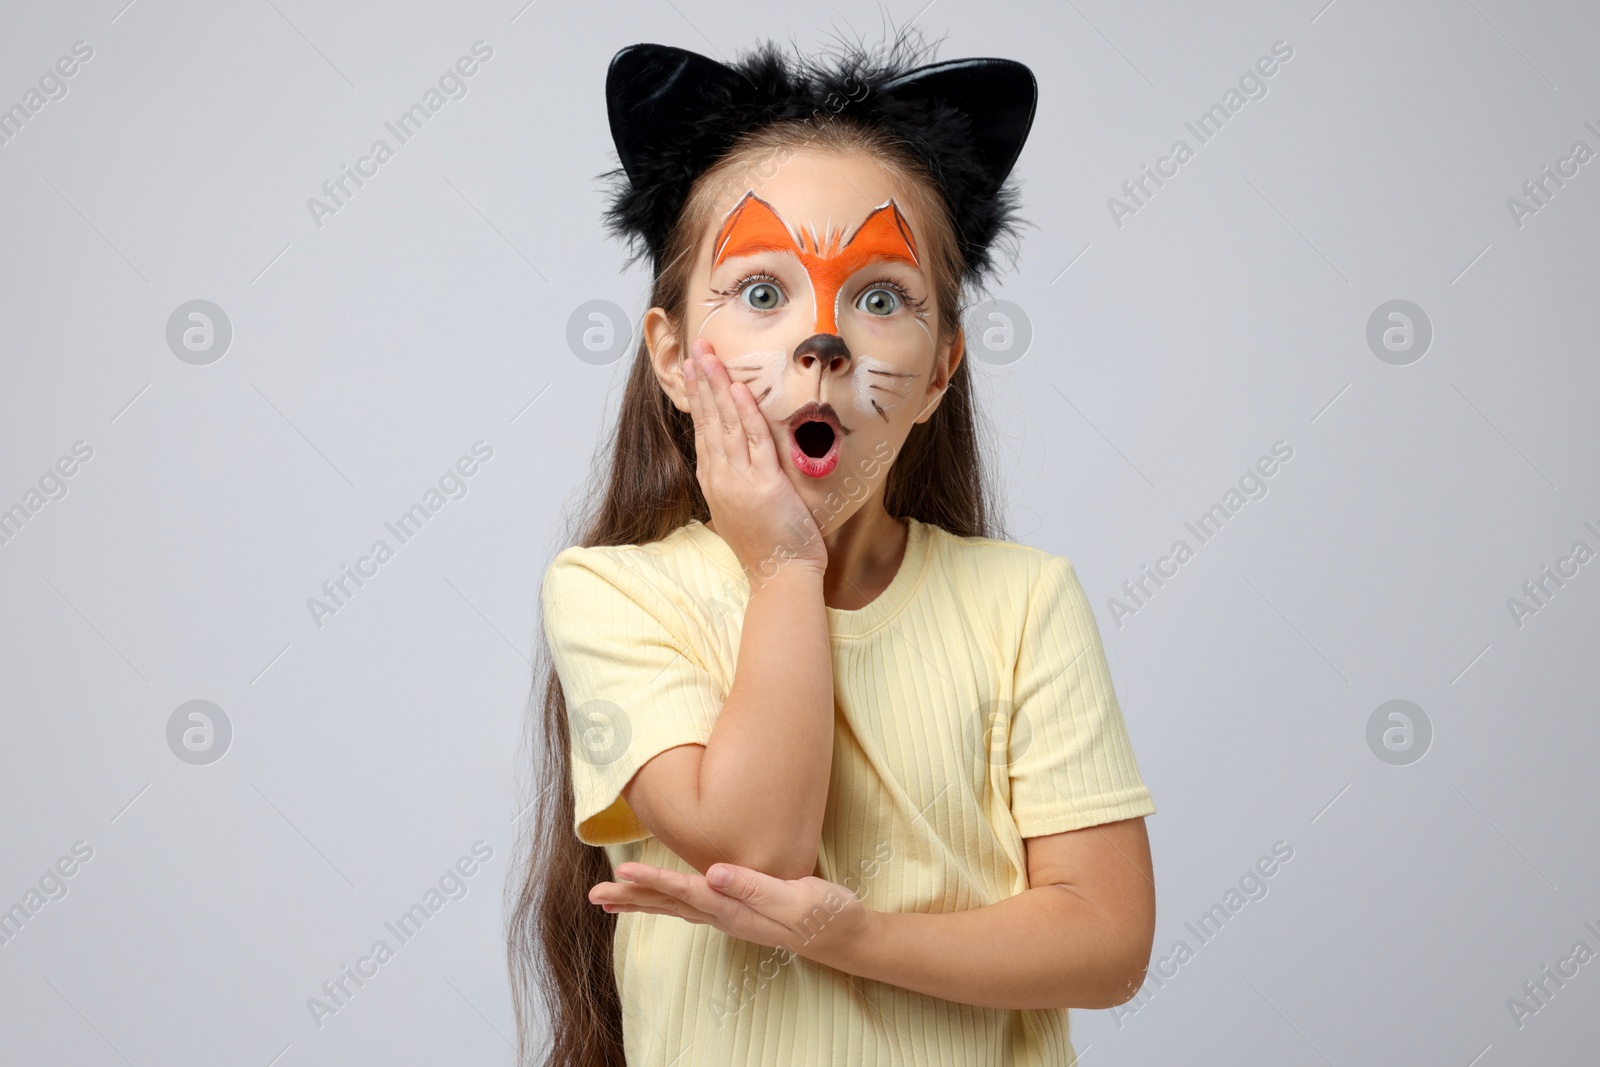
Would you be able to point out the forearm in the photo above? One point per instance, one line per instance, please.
(1046, 947)
(764, 774)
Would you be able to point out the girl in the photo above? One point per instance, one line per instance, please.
(836, 776)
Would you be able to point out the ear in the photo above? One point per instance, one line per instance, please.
(950, 356)
(956, 351)
(661, 338)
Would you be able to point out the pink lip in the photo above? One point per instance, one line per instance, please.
(820, 467)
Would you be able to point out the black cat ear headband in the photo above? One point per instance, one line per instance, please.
(674, 113)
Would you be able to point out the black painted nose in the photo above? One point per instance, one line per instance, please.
(827, 347)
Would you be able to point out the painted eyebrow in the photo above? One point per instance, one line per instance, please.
(766, 231)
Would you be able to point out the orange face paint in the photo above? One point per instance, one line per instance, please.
(753, 227)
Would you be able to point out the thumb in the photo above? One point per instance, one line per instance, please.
(741, 883)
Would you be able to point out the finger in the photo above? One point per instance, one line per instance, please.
(667, 906)
(758, 435)
(628, 889)
(734, 444)
(684, 912)
(708, 424)
(635, 897)
(753, 887)
(693, 384)
(691, 890)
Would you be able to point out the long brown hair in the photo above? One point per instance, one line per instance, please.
(559, 944)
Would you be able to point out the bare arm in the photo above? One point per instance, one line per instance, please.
(1079, 937)
(754, 793)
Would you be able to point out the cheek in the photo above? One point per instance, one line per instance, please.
(754, 362)
(907, 340)
(733, 330)
(889, 376)
(875, 392)
(762, 371)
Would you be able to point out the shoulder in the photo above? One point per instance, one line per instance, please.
(667, 573)
(996, 564)
(1005, 580)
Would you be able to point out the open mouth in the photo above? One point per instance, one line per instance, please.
(814, 447)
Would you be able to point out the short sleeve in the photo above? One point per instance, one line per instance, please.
(1071, 764)
(633, 687)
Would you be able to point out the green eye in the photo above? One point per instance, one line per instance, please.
(763, 296)
(879, 301)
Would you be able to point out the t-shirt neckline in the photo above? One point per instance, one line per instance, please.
(847, 622)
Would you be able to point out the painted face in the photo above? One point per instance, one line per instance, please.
(753, 227)
(814, 293)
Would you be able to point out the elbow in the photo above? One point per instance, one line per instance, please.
(1119, 981)
(1116, 976)
(1123, 986)
(1109, 990)
(793, 862)
(792, 871)
(758, 852)
(788, 864)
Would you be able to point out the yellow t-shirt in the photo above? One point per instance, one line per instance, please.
(973, 708)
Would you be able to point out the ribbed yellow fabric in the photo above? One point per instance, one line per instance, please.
(973, 708)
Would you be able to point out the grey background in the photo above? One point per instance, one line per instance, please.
(1167, 355)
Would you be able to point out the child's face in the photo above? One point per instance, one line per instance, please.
(812, 287)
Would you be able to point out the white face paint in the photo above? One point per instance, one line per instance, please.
(878, 387)
(762, 372)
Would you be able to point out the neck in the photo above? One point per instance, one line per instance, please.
(864, 554)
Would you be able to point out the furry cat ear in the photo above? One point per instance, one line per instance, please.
(997, 95)
(674, 113)
(654, 93)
